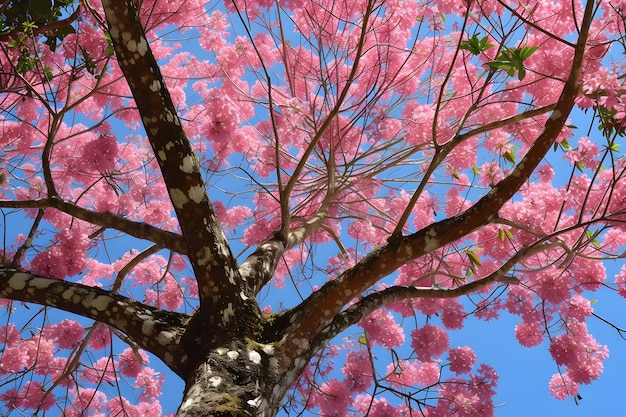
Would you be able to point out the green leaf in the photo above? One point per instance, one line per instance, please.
(475, 45)
(474, 259)
(48, 73)
(509, 156)
(512, 61)
(591, 236)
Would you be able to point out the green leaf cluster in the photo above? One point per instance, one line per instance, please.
(24, 16)
(512, 60)
(476, 45)
(609, 125)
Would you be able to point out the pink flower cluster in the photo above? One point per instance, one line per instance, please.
(45, 353)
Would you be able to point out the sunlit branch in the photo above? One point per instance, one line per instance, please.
(533, 25)
(117, 284)
(29, 239)
(371, 302)
(442, 151)
(444, 84)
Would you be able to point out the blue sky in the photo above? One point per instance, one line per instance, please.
(524, 373)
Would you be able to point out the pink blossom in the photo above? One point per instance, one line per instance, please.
(13, 359)
(382, 329)
(87, 399)
(429, 341)
(381, 408)
(67, 334)
(358, 370)
(577, 308)
(333, 398)
(101, 371)
(453, 314)
(100, 154)
(462, 359)
(129, 364)
(100, 337)
(586, 154)
(620, 281)
(562, 386)
(232, 217)
(34, 396)
(579, 352)
(428, 374)
(151, 382)
(529, 334)
(403, 373)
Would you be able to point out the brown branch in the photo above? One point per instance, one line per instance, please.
(219, 283)
(140, 230)
(319, 310)
(153, 329)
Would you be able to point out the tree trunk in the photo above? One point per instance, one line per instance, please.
(233, 381)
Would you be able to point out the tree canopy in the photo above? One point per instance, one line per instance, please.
(292, 204)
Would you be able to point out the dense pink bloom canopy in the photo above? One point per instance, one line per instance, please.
(331, 130)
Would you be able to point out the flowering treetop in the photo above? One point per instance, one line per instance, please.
(170, 168)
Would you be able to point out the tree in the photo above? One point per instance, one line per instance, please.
(389, 159)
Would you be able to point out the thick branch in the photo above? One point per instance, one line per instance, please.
(372, 302)
(259, 267)
(219, 283)
(318, 311)
(157, 331)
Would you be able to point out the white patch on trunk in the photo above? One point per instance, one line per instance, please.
(142, 46)
(165, 338)
(196, 193)
(187, 165)
(215, 381)
(232, 354)
(255, 403)
(39, 283)
(430, 240)
(155, 86)
(67, 294)
(147, 327)
(254, 356)
(179, 199)
(131, 45)
(102, 302)
(228, 312)
(204, 256)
